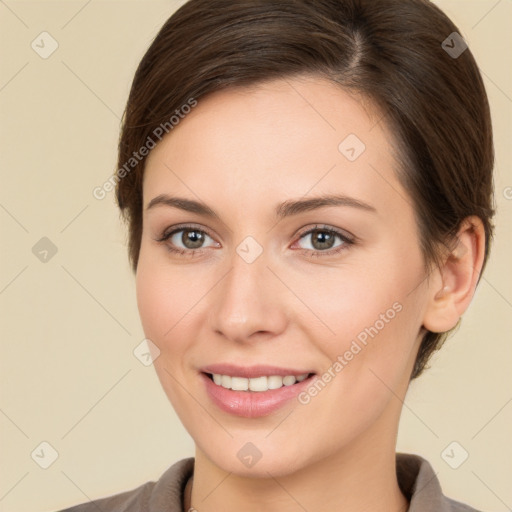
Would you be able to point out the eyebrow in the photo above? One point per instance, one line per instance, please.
(286, 209)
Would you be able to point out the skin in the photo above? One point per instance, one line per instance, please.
(243, 152)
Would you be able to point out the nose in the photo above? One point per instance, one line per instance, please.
(249, 303)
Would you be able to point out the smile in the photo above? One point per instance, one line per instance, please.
(254, 391)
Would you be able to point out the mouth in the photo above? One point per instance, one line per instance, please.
(256, 391)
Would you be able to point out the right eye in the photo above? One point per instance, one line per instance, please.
(191, 238)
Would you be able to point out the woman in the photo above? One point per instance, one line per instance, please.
(308, 191)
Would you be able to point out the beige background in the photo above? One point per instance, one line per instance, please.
(70, 325)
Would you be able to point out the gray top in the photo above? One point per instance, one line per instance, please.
(415, 475)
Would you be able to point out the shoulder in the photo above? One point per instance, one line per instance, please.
(420, 485)
(164, 494)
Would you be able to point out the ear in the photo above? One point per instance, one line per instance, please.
(454, 285)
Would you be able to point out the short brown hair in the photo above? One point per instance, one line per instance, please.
(387, 50)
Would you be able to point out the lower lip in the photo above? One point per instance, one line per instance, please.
(252, 404)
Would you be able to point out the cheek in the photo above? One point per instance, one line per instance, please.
(163, 316)
(367, 365)
(152, 302)
(369, 324)
(162, 308)
(164, 296)
(345, 304)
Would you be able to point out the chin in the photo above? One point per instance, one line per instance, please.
(274, 464)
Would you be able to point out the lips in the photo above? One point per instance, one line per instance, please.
(264, 398)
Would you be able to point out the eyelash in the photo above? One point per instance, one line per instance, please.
(347, 242)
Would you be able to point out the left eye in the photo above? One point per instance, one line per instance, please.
(323, 239)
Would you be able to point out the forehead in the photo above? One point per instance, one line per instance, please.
(283, 138)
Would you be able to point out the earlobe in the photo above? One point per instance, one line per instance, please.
(458, 277)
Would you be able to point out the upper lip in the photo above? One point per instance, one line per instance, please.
(252, 371)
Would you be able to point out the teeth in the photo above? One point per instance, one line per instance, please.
(257, 383)
(289, 380)
(275, 382)
(239, 383)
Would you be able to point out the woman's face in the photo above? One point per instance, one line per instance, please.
(264, 287)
